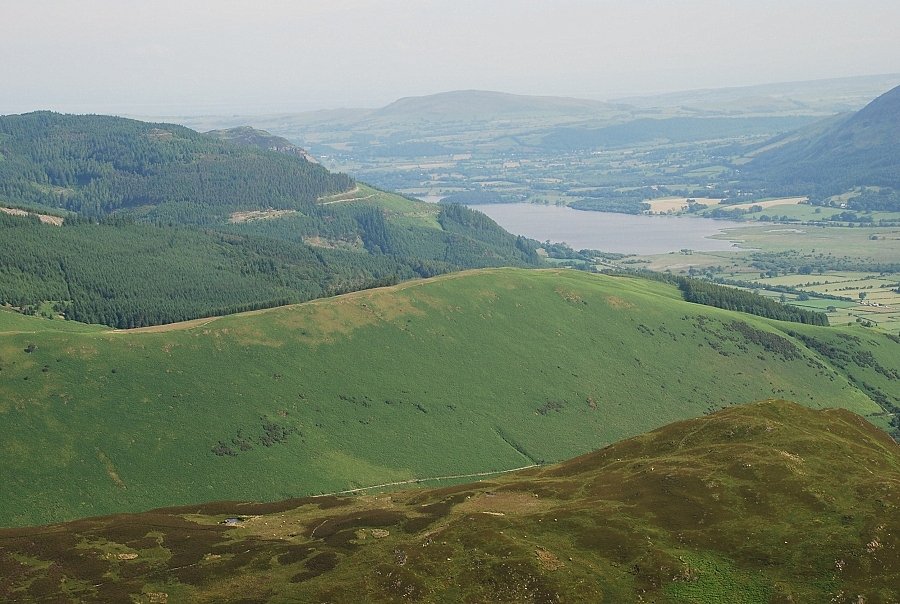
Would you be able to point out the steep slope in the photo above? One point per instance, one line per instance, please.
(761, 503)
(860, 150)
(466, 373)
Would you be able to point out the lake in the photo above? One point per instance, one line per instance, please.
(609, 232)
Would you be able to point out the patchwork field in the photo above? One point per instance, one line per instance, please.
(473, 372)
(871, 296)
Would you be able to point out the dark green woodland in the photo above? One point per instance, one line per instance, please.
(157, 226)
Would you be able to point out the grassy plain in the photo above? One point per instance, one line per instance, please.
(808, 244)
(878, 244)
(471, 372)
(757, 504)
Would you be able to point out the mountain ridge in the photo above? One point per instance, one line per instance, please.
(858, 150)
(839, 95)
(484, 104)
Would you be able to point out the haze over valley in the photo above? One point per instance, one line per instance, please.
(439, 302)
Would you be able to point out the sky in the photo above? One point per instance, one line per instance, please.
(184, 57)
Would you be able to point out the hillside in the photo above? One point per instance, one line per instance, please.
(761, 503)
(246, 135)
(100, 165)
(165, 224)
(466, 373)
(860, 150)
(126, 274)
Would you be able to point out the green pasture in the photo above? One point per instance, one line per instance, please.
(877, 244)
(471, 372)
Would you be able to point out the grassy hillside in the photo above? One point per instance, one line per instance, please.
(757, 504)
(473, 372)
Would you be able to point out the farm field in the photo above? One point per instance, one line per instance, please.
(806, 212)
(832, 244)
(815, 247)
(876, 297)
(877, 244)
(666, 205)
(473, 372)
(770, 203)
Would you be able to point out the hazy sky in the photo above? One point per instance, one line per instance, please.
(190, 56)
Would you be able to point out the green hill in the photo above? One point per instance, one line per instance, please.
(760, 503)
(472, 372)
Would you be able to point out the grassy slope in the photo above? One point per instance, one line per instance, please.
(397, 209)
(763, 503)
(478, 371)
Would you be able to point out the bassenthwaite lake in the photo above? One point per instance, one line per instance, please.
(609, 232)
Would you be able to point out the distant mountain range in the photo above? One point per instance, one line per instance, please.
(491, 123)
(480, 105)
(811, 97)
